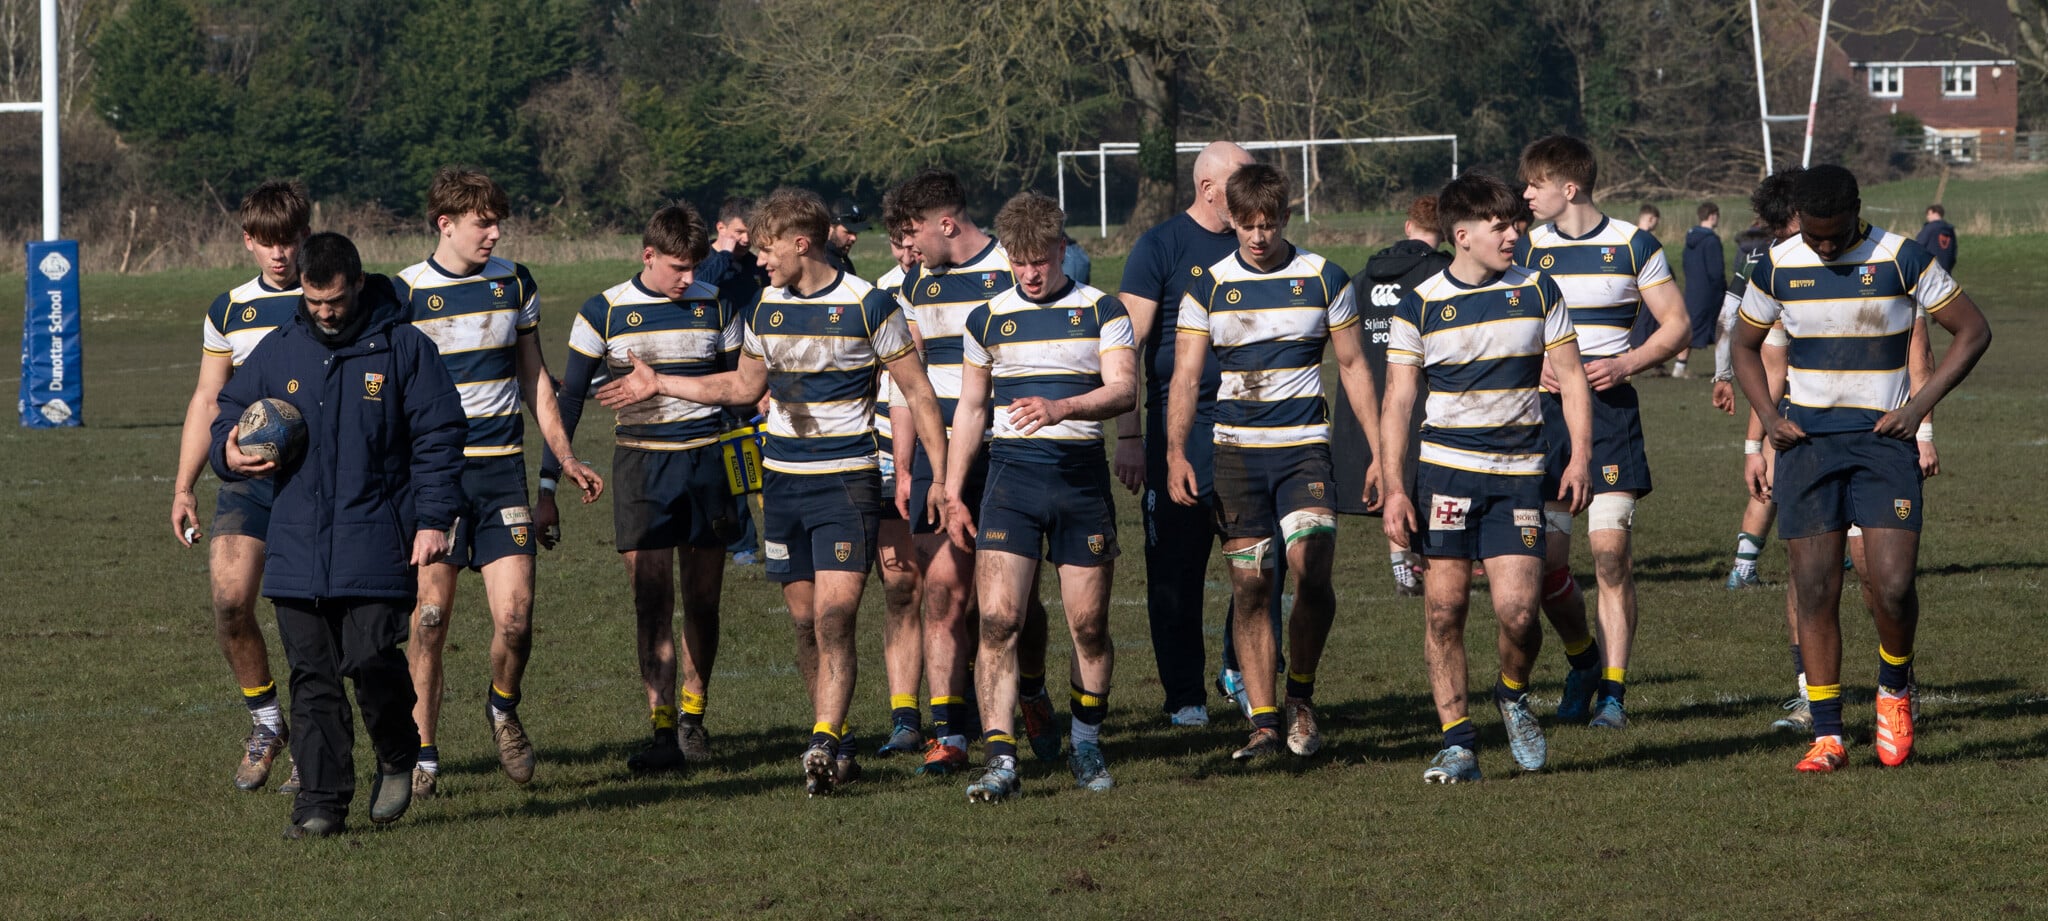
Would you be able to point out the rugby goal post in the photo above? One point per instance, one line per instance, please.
(1763, 105)
(52, 356)
(1107, 149)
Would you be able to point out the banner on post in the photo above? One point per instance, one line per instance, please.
(52, 351)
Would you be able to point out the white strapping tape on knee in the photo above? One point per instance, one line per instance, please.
(1299, 524)
(1557, 519)
(1611, 511)
(1252, 557)
(1855, 530)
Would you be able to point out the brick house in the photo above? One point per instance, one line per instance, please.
(1948, 70)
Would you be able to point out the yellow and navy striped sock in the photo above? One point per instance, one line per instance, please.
(1089, 710)
(847, 746)
(825, 734)
(663, 717)
(1614, 683)
(947, 713)
(1461, 733)
(1827, 709)
(1300, 685)
(999, 744)
(429, 759)
(1508, 690)
(263, 709)
(1266, 718)
(502, 702)
(1030, 685)
(1894, 672)
(691, 707)
(1583, 654)
(903, 710)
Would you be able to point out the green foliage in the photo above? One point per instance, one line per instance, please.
(153, 87)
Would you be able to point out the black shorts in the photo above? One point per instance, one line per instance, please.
(1256, 487)
(666, 499)
(1476, 516)
(493, 520)
(818, 521)
(1067, 512)
(1619, 463)
(1829, 482)
(243, 507)
(921, 487)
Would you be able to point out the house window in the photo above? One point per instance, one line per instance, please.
(1960, 80)
(1886, 81)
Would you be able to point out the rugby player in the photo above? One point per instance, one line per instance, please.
(1266, 312)
(483, 313)
(1054, 358)
(1609, 273)
(1847, 294)
(1178, 539)
(275, 220)
(672, 512)
(1482, 325)
(813, 344)
(896, 553)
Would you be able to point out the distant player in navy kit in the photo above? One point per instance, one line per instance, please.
(1847, 294)
(672, 511)
(275, 221)
(1267, 311)
(1053, 358)
(1178, 539)
(1483, 324)
(1610, 273)
(813, 343)
(483, 313)
(1387, 277)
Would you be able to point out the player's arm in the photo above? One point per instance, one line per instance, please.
(907, 371)
(1349, 345)
(193, 442)
(1724, 370)
(537, 388)
(547, 518)
(1113, 400)
(1919, 364)
(970, 414)
(1397, 510)
(1576, 391)
(1129, 462)
(742, 386)
(1189, 351)
(439, 429)
(224, 450)
(1674, 333)
(1960, 316)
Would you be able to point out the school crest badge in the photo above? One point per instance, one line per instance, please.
(1546, 262)
(1611, 473)
(634, 318)
(1095, 543)
(1902, 508)
(248, 314)
(1233, 296)
(1528, 537)
(1315, 490)
(842, 551)
(519, 535)
(372, 383)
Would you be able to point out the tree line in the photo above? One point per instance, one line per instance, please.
(590, 112)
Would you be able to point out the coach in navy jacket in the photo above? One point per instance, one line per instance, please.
(371, 500)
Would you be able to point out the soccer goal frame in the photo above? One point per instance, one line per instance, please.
(48, 107)
(1107, 149)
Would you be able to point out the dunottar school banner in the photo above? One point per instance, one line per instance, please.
(52, 354)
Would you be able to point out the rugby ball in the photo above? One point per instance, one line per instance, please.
(272, 429)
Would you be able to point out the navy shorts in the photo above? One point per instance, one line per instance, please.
(1256, 487)
(493, 520)
(666, 499)
(1477, 516)
(921, 486)
(243, 507)
(1829, 482)
(1619, 464)
(1065, 511)
(819, 521)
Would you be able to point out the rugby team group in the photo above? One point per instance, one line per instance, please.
(944, 425)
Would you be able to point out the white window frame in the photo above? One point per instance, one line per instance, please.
(1959, 80)
(1887, 81)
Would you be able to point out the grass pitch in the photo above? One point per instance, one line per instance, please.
(119, 722)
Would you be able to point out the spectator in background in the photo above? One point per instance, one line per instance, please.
(847, 223)
(1648, 218)
(1706, 281)
(1938, 237)
(1076, 263)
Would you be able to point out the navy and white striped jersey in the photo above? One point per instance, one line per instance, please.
(241, 318)
(475, 320)
(891, 283)
(822, 351)
(938, 302)
(1481, 351)
(1850, 322)
(1268, 330)
(1603, 276)
(1053, 350)
(692, 336)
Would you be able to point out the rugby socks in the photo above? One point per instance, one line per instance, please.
(949, 721)
(430, 759)
(263, 710)
(827, 736)
(1747, 547)
(503, 706)
(1507, 690)
(1827, 709)
(1030, 685)
(847, 746)
(903, 711)
(1583, 654)
(1300, 686)
(1090, 708)
(691, 708)
(1462, 734)
(1266, 718)
(663, 717)
(1614, 683)
(999, 744)
(1894, 673)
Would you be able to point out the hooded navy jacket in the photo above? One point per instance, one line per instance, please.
(384, 436)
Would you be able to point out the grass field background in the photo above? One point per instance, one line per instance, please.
(119, 723)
